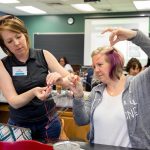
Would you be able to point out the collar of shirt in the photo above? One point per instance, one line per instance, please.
(31, 56)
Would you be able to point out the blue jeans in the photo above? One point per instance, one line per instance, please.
(44, 131)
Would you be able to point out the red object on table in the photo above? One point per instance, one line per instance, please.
(24, 145)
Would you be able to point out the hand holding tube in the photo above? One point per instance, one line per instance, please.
(76, 87)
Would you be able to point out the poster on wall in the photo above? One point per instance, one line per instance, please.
(94, 39)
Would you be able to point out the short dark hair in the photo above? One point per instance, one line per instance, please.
(132, 63)
(148, 63)
(65, 60)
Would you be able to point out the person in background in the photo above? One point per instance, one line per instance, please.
(118, 108)
(64, 63)
(95, 81)
(89, 78)
(133, 67)
(148, 63)
(26, 82)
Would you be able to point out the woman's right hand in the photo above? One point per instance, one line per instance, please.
(54, 78)
(42, 93)
(119, 34)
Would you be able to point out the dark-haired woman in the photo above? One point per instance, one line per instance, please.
(64, 63)
(133, 66)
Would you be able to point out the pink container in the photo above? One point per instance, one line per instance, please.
(24, 145)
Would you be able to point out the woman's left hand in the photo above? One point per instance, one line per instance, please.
(69, 80)
(76, 86)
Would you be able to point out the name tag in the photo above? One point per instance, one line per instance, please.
(20, 71)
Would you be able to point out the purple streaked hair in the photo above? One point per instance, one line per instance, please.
(114, 58)
(116, 62)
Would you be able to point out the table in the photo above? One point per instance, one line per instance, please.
(72, 130)
(63, 100)
(87, 146)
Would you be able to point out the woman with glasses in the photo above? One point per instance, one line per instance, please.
(26, 83)
(117, 109)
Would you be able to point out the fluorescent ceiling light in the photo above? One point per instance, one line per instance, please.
(141, 5)
(31, 9)
(9, 1)
(83, 7)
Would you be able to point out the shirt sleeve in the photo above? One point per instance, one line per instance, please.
(68, 67)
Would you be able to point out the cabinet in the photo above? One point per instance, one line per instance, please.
(4, 112)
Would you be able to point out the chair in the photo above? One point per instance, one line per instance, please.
(63, 136)
(24, 145)
(76, 68)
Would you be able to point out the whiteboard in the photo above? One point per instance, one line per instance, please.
(94, 39)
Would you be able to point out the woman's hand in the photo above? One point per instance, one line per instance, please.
(119, 34)
(76, 86)
(69, 80)
(54, 78)
(42, 93)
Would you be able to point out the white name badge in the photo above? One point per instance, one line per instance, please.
(20, 71)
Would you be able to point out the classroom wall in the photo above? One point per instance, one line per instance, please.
(1, 13)
(58, 23)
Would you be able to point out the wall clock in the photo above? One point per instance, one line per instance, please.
(70, 20)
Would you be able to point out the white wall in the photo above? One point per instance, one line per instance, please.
(94, 38)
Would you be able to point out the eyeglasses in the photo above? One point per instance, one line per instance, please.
(3, 19)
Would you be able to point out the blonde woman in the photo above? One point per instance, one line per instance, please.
(117, 109)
